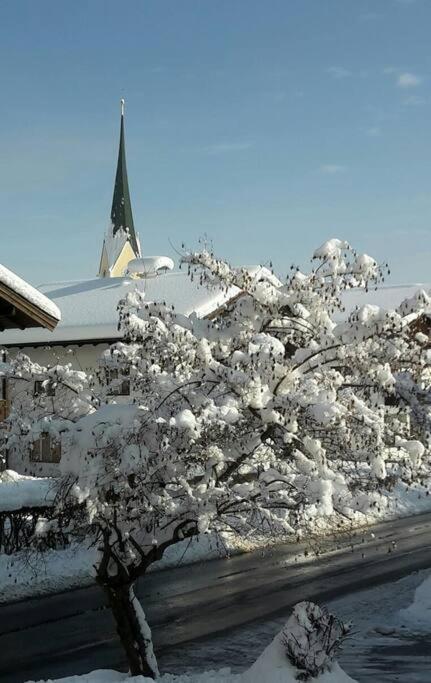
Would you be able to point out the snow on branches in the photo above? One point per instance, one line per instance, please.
(312, 638)
(264, 414)
(261, 418)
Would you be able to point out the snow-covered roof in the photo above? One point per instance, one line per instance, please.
(29, 293)
(388, 297)
(89, 307)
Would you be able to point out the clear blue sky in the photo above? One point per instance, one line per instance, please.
(268, 126)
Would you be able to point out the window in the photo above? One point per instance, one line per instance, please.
(44, 388)
(118, 381)
(3, 389)
(4, 410)
(45, 450)
(4, 403)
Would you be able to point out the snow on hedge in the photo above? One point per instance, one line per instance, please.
(21, 287)
(19, 491)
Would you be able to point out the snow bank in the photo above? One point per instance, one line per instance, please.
(18, 491)
(417, 616)
(107, 676)
(278, 673)
(24, 575)
(273, 667)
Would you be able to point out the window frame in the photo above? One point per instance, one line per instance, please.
(44, 450)
(120, 374)
(40, 390)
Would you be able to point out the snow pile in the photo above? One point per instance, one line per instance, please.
(19, 491)
(417, 616)
(21, 287)
(303, 651)
(150, 266)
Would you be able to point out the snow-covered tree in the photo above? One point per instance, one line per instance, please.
(262, 418)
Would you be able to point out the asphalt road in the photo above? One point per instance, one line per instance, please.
(73, 632)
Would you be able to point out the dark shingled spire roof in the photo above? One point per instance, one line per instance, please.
(121, 212)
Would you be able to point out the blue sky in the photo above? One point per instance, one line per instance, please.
(267, 126)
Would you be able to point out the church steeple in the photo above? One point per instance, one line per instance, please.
(121, 243)
(121, 212)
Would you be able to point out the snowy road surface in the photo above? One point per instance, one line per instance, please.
(74, 633)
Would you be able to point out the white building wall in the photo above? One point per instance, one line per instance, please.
(84, 358)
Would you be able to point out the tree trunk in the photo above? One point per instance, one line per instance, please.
(133, 630)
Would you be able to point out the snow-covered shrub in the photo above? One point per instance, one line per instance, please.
(312, 639)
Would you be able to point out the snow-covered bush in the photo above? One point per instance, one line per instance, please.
(304, 650)
(312, 639)
(263, 418)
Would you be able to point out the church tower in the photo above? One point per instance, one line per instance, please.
(121, 243)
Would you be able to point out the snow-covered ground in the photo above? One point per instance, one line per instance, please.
(417, 616)
(393, 643)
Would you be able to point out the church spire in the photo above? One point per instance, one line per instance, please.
(121, 243)
(121, 212)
